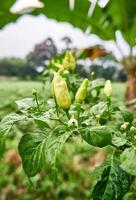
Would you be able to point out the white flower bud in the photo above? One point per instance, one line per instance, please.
(108, 88)
(72, 122)
(97, 116)
(124, 126)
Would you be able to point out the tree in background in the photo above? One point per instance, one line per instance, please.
(67, 40)
(42, 52)
(96, 59)
(25, 68)
(16, 67)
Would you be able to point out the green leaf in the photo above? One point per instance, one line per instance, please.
(125, 20)
(103, 21)
(99, 108)
(55, 142)
(62, 12)
(97, 84)
(32, 151)
(5, 126)
(46, 120)
(99, 136)
(111, 182)
(118, 139)
(25, 104)
(130, 196)
(128, 160)
(42, 124)
(127, 115)
(39, 149)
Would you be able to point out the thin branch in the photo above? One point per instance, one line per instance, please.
(131, 52)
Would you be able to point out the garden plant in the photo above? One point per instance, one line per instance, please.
(77, 108)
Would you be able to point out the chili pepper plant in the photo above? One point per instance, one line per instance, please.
(77, 108)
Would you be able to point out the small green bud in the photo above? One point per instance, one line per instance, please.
(72, 122)
(92, 74)
(66, 72)
(69, 62)
(82, 91)
(97, 116)
(34, 92)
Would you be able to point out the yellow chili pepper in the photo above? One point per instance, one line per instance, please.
(60, 91)
(108, 88)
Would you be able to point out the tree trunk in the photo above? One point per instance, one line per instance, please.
(131, 85)
(130, 66)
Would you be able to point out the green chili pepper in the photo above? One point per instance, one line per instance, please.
(69, 61)
(60, 91)
(82, 91)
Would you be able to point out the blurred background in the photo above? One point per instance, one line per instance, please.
(102, 36)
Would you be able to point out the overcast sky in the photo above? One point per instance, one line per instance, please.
(18, 39)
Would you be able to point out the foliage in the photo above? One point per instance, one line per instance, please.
(5, 14)
(94, 119)
(111, 181)
(103, 21)
(71, 181)
(108, 68)
(13, 90)
(16, 67)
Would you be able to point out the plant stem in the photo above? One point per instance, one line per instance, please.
(36, 99)
(78, 111)
(108, 105)
(66, 111)
(58, 120)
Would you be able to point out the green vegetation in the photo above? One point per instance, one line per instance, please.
(69, 182)
(12, 90)
(47, 128)
(118, 93)
(55, 137)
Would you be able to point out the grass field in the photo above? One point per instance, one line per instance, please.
(119, 91)
(12, 90)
